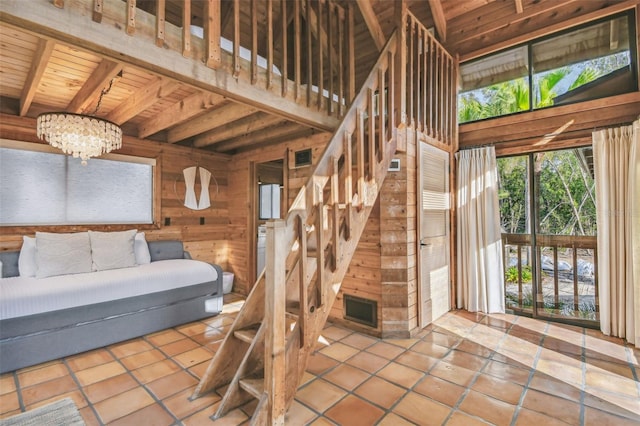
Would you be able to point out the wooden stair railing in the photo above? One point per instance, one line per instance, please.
(266, 351)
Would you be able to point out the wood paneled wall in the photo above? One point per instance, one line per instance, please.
(206, 242)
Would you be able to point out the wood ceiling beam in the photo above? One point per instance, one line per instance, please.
(244, 126)
(90, 90)
(371, 20)
(519, 7)
(141, 100)
(109, 41)
(179, 112)
(274, 133)
(210, 120)
(36, 71)
(439, 19)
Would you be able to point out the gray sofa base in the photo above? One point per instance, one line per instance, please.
(45, 345)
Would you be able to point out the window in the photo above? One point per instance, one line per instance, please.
(44, 188)
(594, 61)
(269, 201)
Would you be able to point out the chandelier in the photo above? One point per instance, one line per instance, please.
(80, 135)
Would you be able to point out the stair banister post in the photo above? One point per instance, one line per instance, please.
(400, 71)
(275, 295)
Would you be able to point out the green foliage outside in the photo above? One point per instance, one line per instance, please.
(511, 274)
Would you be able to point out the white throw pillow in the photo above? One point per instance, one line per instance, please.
(61, 254)
(112, 250)
(27, 265)
(141, 249)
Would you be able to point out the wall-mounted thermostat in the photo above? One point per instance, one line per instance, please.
(395, 165)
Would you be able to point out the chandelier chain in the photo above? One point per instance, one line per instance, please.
(102, 93)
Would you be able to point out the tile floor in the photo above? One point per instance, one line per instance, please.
(465, 369)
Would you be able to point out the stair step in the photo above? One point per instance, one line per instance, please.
(254, 386)
(246, 334)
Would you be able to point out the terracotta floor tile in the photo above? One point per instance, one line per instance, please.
(298, 414)
(556, 407)
(359, 341)
(614, 403)
(48, 389)
(193, 357)
(474, 348)
(233, 418)
(199, 370)
(421, 410)
(526, 335)
(339, 351)
(392, 419)
(416, 360)
(440, 390)
(487, 408)
(466, 360)
(352, 407)
(38, 375)
(367, 362)
(380, 392)
(528, 418)
(497, 388)
(203, 418)
(141, 359)
(89, 416)
(75, 395)
(335, 333)
(181, 405)
(219, 321)
(152, 415)
(179, 346)
(507, 372)
(400, 374)
(155, 371)
(130, 347)
(452, 373)
(459, 418)
(320, 395)
(164, 337)
(109, 387)
(192, 328)
(123, 404)
(431, 349)
(553, 386)
(7, 383)
(385, 350)
(210, 335)
(319, 363)
(89, 359)
(593, 416)
(171, 384)
(441, 339)
(403, 343)
(622, 370)
(9, 403)
(99, 373)
(346, 376)
(611, 382)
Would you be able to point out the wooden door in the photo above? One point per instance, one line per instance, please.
(434, 253)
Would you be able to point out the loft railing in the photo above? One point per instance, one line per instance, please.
(567, 284)
(303, 49)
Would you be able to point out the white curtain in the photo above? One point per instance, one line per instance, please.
(617, 173)
(480, 265)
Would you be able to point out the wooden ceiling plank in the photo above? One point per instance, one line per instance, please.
(278, 132)
(141, 100)
(559, 26)
(372, 23)
(439, 19)
(179, 112)
(217, 117)
(36, 71)
(241, 127)
(91, 89)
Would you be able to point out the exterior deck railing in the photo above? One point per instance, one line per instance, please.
(566, 270)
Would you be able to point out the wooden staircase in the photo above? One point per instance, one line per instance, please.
(265, 353)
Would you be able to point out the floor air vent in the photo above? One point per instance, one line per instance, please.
(361, 310)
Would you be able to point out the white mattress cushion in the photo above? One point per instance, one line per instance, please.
(21, 296)
(112, 250)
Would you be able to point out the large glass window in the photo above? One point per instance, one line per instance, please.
(590, 62)
(43, 188)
